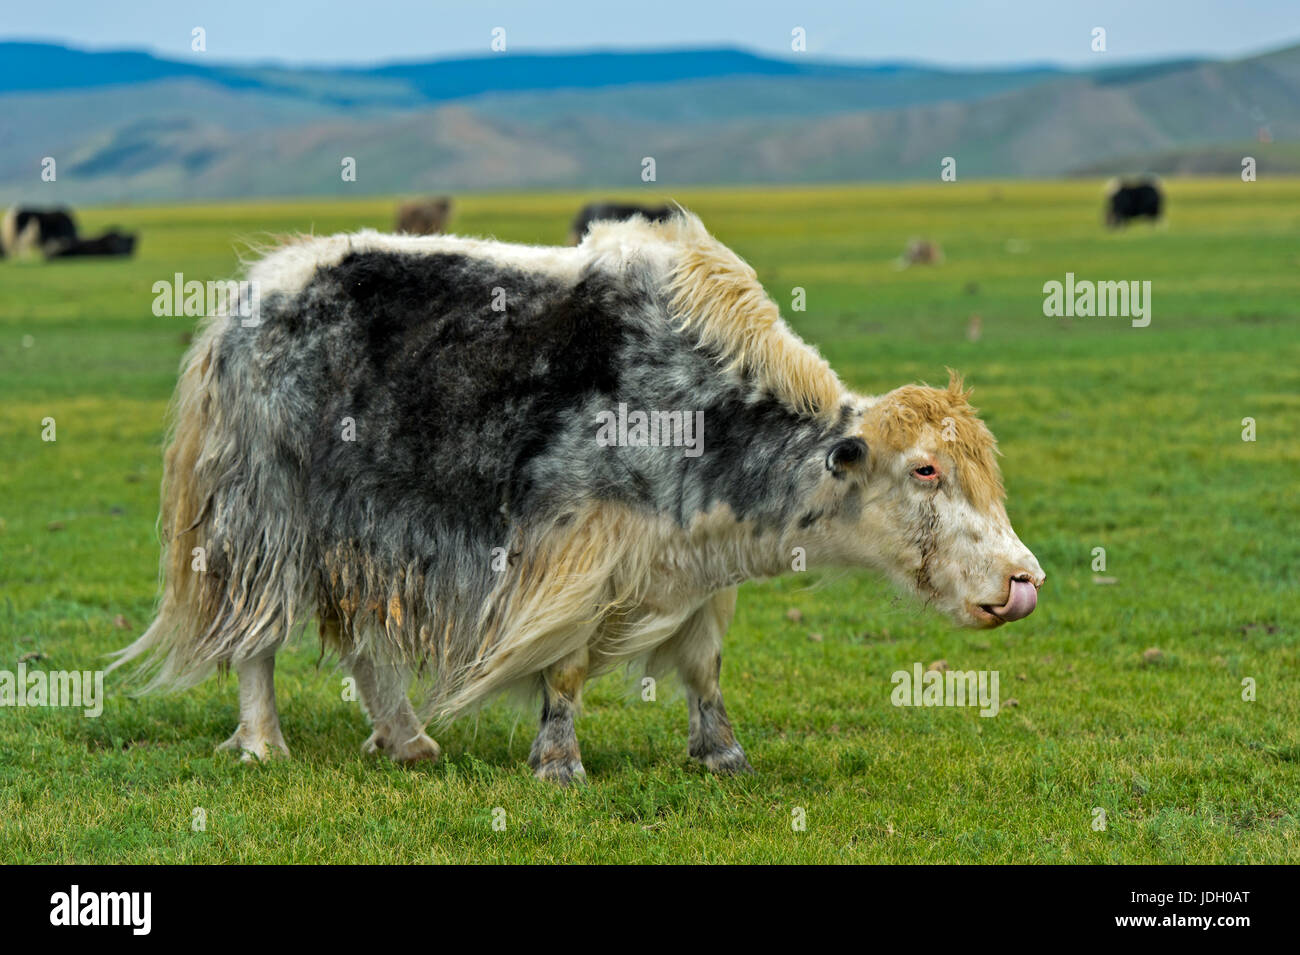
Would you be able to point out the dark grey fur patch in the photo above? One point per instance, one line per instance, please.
(468, 417)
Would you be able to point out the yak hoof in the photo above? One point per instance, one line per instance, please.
(729, 761)
(562, 772)
(419, 748)
(256, 747)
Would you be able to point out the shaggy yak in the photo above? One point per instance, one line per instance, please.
(509, 467)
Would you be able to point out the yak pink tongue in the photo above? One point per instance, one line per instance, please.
(1021, 602)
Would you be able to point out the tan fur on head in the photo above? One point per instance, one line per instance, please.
(904, 416)
(718, 295)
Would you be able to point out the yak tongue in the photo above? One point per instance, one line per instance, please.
(1021, 602)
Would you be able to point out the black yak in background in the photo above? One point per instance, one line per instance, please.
(1136, 199)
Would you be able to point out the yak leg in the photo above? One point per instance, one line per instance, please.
(258, 735)
(696, 650)
(398, 732)
(555, 755)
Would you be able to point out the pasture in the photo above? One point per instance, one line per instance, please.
(1123, 692)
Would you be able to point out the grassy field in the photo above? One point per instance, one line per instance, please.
(1122, 693)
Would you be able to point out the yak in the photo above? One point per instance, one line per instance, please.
(112, 243)
(25, 230)
(424, 216)
(53, 232)
(501, 467)
(613, 212)
(1137, 199)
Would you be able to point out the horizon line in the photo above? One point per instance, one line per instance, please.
(542, 52)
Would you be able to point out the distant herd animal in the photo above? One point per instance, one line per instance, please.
(110, 243)
(921, 252)
(523, 500)
(1127, 201)
(423, 216)
(613, 212)
(53, 233)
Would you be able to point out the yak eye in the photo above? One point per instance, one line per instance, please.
(926, 472)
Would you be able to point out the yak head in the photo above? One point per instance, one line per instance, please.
(919, 497)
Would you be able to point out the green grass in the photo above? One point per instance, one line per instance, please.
(1115, 437)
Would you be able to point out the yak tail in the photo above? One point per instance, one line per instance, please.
(179, 650)
(166, 650)
(235, 576)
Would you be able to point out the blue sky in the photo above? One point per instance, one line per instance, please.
(972, 33)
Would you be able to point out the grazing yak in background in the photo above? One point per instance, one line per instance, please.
(424, 216)
(24, 230)
(921, 252)
(110, 243)
(53, 232)
(613, 212)
(514, 468)
(1137, 199)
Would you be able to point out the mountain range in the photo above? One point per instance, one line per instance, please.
(131, 126)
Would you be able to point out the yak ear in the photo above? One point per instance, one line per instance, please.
(846, 454)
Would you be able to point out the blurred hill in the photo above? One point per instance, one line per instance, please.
(127, 126)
